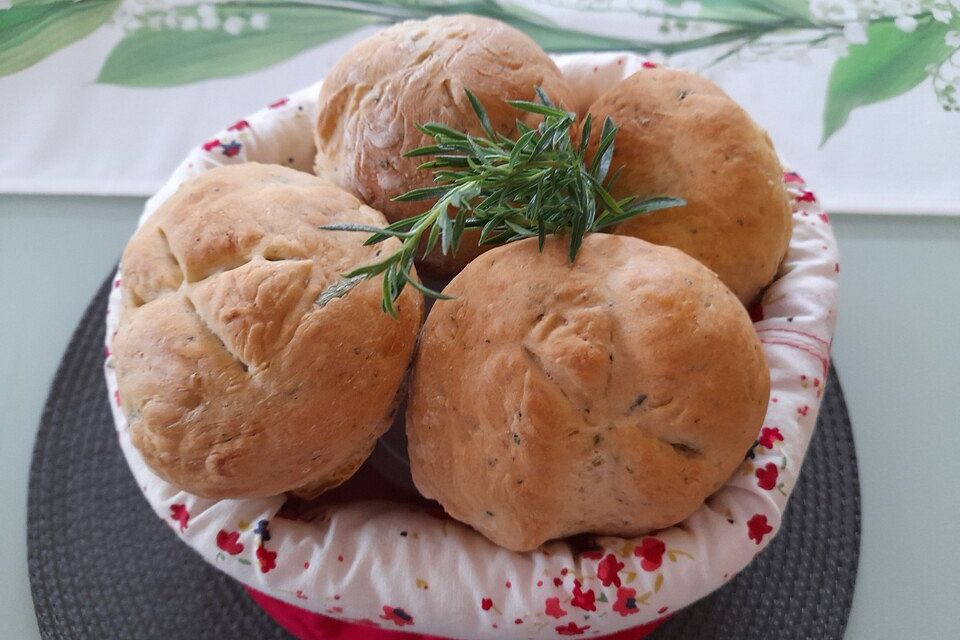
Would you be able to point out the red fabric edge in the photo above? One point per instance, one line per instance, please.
(307, 625)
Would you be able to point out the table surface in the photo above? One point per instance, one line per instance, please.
(897, 350)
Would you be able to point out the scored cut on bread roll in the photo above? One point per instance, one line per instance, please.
(682, 136)
(416, 72)
(611, 395)
(246, 367)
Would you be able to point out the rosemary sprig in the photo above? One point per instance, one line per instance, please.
(539, 184)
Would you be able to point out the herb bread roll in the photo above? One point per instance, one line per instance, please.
(243, 370)
(681, 135)
(413, 73)
(610, 396)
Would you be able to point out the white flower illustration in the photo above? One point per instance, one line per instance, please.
(855, 33)
(233, 25)
(259, 21)
(906, 23)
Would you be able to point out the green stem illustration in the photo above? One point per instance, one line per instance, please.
(194, 41)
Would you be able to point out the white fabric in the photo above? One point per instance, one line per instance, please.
(63, 132)
(352, 562)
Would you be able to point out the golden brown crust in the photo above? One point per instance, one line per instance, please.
(681, 135)
(610, 396)
(416, 72)
(235, 381)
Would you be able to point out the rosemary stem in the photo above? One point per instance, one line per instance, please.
(539, 184)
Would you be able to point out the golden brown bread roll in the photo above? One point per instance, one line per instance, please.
(681, 135)
(239, 373)
(416, 72)
(611, 396)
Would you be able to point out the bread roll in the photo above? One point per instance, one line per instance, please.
(240, 374)
(680, 135)
(608, 396)
(412, 73)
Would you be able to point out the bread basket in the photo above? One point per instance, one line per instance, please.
(402, 567)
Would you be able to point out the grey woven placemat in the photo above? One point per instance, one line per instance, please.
(103, 566)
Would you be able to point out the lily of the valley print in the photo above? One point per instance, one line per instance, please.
(883, 48)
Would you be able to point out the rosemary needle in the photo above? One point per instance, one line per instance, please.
(538, 184)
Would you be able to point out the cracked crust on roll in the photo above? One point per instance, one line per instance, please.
(682, 136)
(235, 379)
(416, 72)
(609, 396)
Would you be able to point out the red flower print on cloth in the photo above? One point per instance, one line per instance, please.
(397, 616)
(553, 608)
(804, 410)
(757, 527)
(806, 196)
(210, 145)
(769, 435)
(825, 218)
(239, 125)
(608, 571)
(267, 559)
(651, 551)
(767, 476)
(486, 604)
(649, 65)
(571, 629)
(791, 177)
(229, 541)
(231, 149)
(179, 513)
(585, 601)
(626, 603)
(276, 104)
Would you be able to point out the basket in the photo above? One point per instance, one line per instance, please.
(369, 565)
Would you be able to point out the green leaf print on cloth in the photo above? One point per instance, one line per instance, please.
(891, 62)
(882, 49)
(225, 40)
(33, 29)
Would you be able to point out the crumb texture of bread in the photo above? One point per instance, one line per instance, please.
(236, 382)
(611, 395)
(682, 136)
(417, 72)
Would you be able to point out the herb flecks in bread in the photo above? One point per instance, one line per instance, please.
(245, 368)
(680, 133)
(611, 395)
